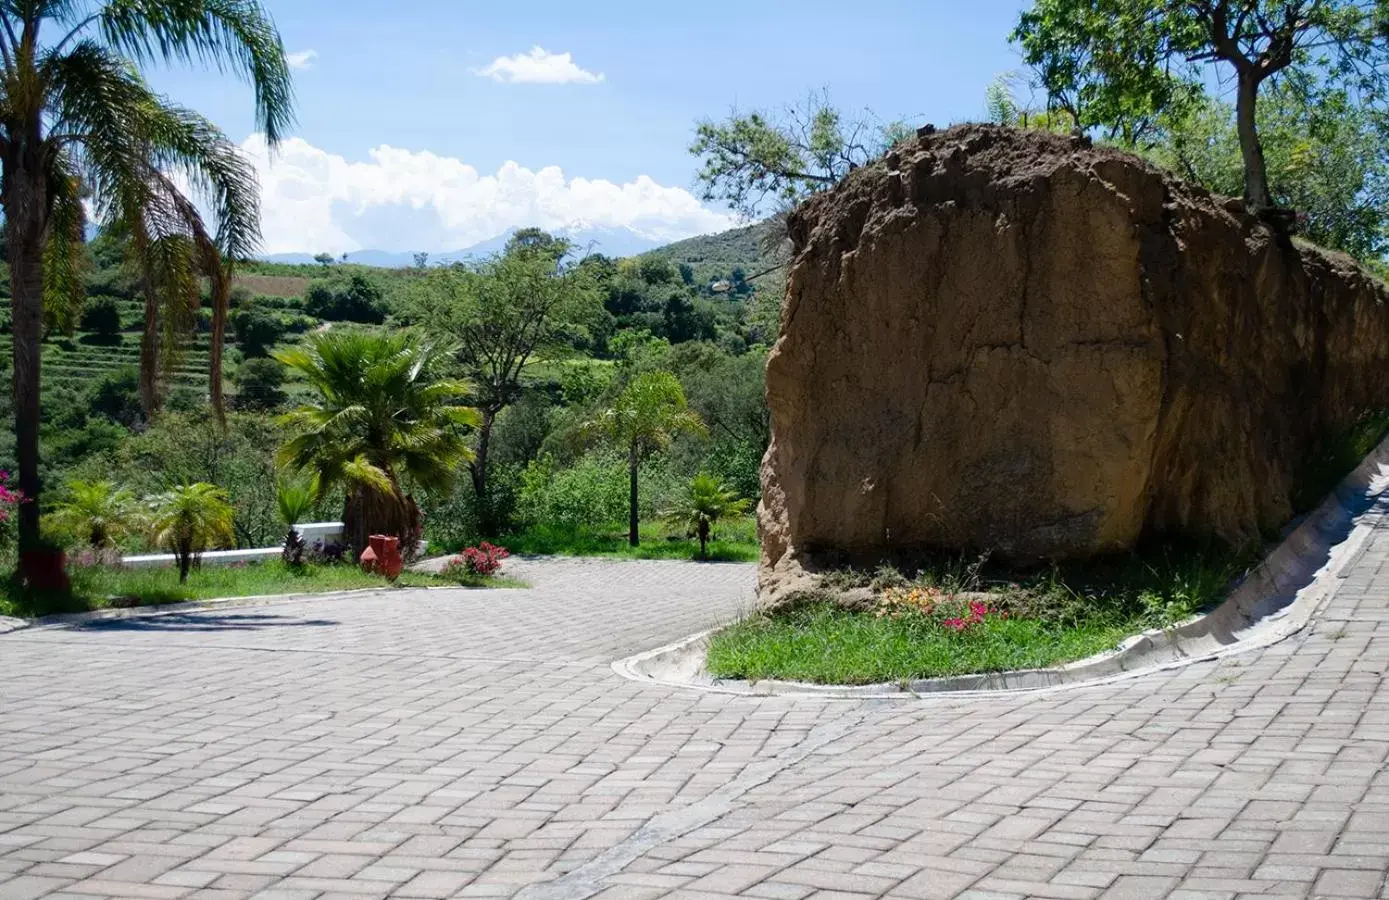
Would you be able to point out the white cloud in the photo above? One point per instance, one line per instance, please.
(303, 59)
(538, 67)
(401, 200)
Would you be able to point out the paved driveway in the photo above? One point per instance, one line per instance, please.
(457, 743)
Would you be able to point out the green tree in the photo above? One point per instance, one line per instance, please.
(382, 413)
(102, 318)
(325, 259)
(1327, 156)
(1120, 64)
(358, 299)
(80, 128)
(647, 415)
(751, 161)
(97, 511)
(706, 502)
(257, 329)
(260, 384)
(189, 519)
(524, 306)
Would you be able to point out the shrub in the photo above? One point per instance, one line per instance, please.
(357, 300)
(259, 384)
(256, 330)
(102, 317)
(482, 561)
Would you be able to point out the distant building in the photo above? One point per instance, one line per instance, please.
(721, 287)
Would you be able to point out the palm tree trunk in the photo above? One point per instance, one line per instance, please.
(26, 218)
(632, 537)
(185, 560)
(1256, 192)
(703, 539)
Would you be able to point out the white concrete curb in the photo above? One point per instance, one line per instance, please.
(1272, 602)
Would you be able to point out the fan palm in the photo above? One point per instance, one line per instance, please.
(383, 413)
(97, 511)
(189, 519)
(295, 498)
(706, 502)
(81, 129)
(647, 415)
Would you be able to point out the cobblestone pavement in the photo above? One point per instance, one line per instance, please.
(453, 743)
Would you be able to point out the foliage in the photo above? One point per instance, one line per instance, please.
(10, 499)
(88, 133)
(257, 329)
(645, 418)
(102, 318)
(960, 617)
(763, 159)
(482, 561)
(382, 412)
(1122, 64)
(182, 448)
(357, 298)
(96, 512)
(260, 384)
(523, 306)
(1327, 158)
(295, 499)
(737, 543)
(592, 493)
(95, 586)
(706, 502)
(189, 519)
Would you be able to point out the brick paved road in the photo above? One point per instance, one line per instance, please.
(439, 744)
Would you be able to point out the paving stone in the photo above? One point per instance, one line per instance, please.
(467, 743)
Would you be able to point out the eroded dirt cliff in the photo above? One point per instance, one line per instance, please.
(1016, 342)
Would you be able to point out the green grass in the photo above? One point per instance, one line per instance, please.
(822, 643)
(1037, 619)
(737, 542)
(96, 587)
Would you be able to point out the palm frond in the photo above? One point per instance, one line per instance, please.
(64, 258)
(236, 35)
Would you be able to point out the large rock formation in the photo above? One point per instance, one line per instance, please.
(1014, 342)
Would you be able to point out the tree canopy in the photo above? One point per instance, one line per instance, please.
(1119, 65)
(759, 161)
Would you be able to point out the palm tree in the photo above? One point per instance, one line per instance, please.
(189, 519)
(97, 511)
(382, 412)
(80, 129)
(294, 497)
(647, 415)
(707, 501)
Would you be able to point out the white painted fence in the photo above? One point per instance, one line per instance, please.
(311, 531)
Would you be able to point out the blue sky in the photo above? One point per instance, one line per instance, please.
(407, 75)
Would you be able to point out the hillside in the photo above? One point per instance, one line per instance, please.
(751, 248)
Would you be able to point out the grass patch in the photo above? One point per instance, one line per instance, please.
(734, 542)
(102, 587)
(961, 617)
(1335, 457)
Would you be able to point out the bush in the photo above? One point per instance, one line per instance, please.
(259, 384)
(593, 492)
(102, 317)
(357, 300)
(117, 397)
(256, 330)
(482, 561)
